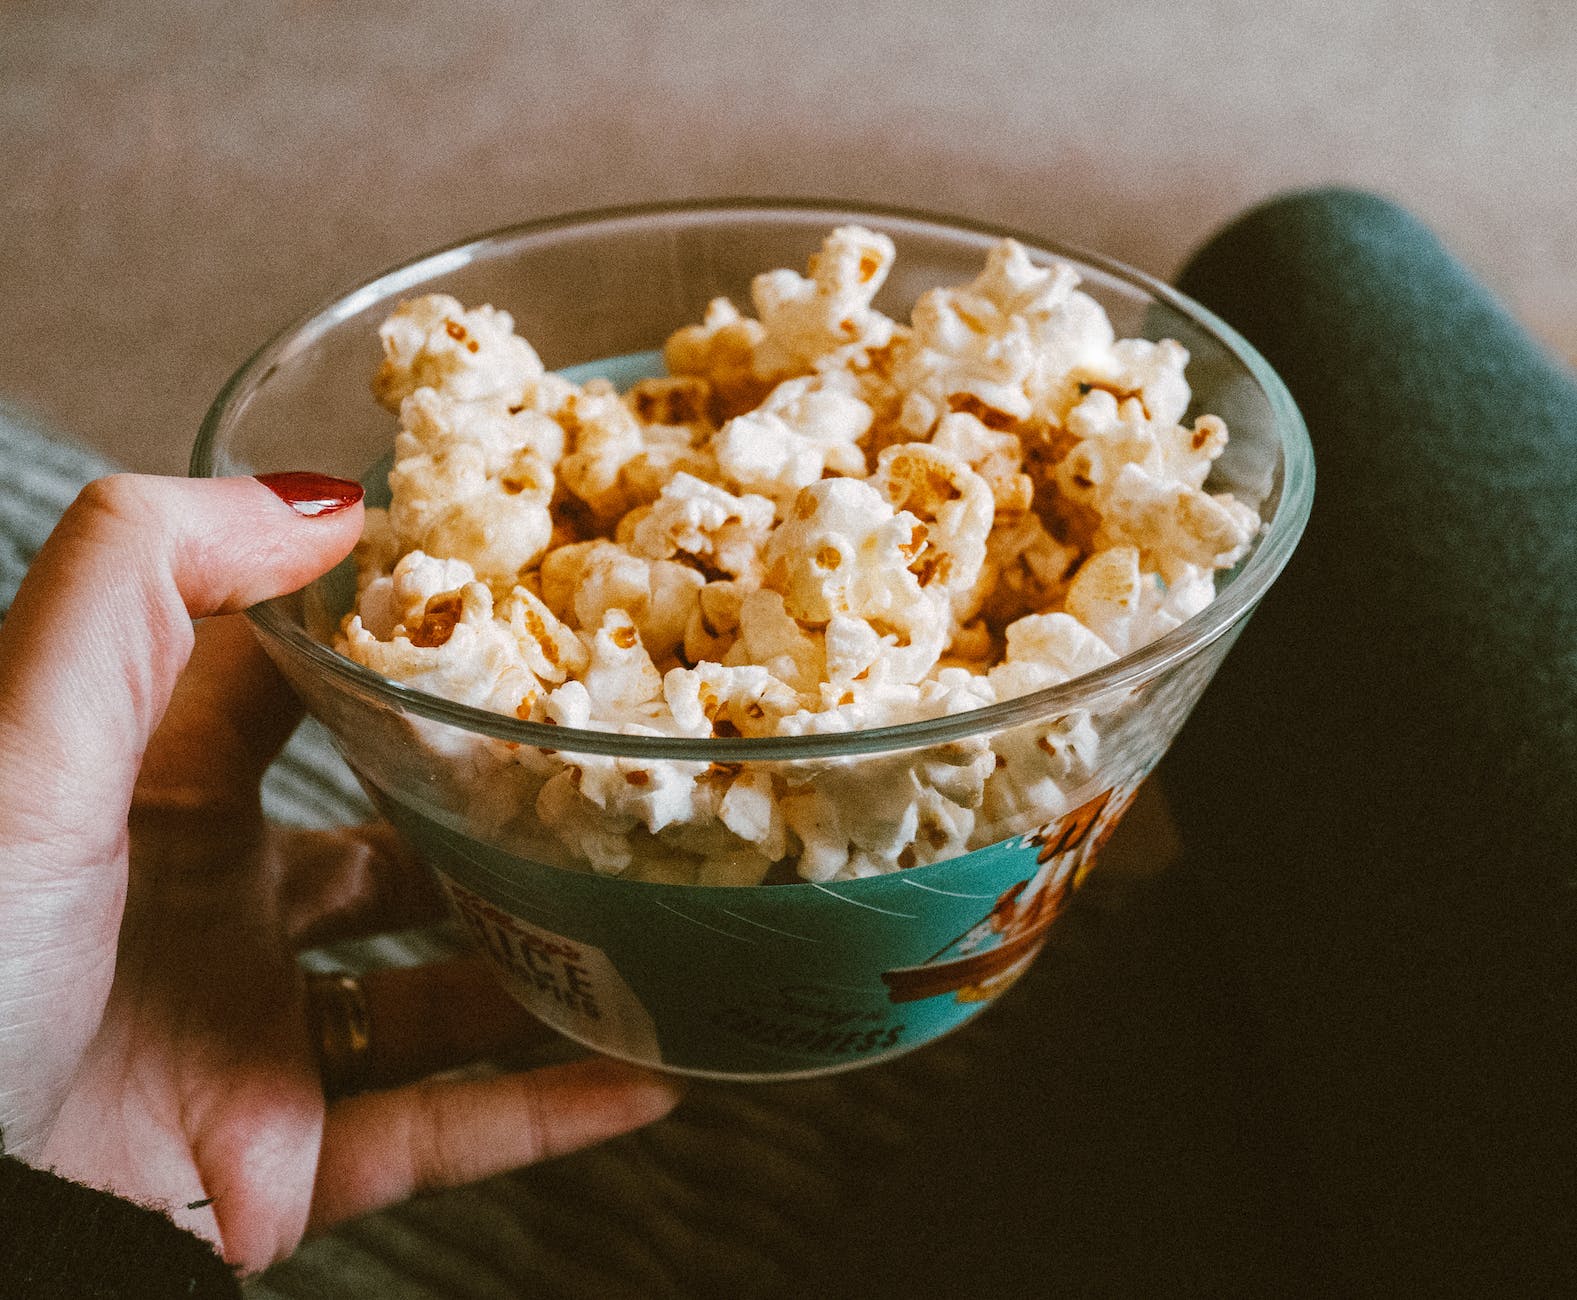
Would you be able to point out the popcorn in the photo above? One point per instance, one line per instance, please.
(825, 321)
(582, 582)
(418, 579)
(450, 645)
(997, 457)
(653, 796)
(851, 648)
(820, 521)
(1142, 481)
(707, 526)
(1105, 595)
(721, 350)
(804, 429)
(474, 479)
(844, 550)
(592, 835)
(1177, 523)
(752, 811)
(769, 636)
(1003, 348)
(847, 829)
(434, 342)
(375, 555)
(604, 438)
(676, 424)
(1026, 570)
(955, 508)
(1128, 608)
(713, 624)
(448, 504)
(672, 402)
(1033, 766)
(551, 650)
(717, 699)
(1046, 650)
(435, 423)
(1152, 372)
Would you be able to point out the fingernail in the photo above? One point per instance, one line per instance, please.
(312, 494)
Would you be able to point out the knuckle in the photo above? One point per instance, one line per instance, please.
(112, 506)
(115, 495)
(435, 1163)
(535, 1138)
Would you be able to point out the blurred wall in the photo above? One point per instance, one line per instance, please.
(181, 178)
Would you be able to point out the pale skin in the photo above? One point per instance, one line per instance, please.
(153, 1029)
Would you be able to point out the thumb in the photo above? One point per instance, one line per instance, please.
(102, 627)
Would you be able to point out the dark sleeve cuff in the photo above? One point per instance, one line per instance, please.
(68, 1241)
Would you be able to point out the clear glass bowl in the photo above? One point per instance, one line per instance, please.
(779, 980)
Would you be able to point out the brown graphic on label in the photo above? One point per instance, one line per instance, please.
(984, 960)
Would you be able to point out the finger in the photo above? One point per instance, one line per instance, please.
(352, 883)
(384, 1147)
(228, 717)
(421, 1020)
(101, 628)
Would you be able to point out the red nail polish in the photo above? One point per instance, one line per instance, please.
(312, 494)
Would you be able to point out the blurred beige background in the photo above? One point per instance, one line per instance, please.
(181, 177)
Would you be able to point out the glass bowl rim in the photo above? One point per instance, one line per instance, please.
(1126, 673)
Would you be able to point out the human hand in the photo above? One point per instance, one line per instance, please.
(153, 1023)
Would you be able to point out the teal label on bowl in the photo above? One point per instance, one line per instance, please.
(771, 981)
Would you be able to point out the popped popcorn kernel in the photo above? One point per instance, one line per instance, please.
(549, 647)
(702, 524)
(448, 644)
(620, 675)
(603, 438)
(583, 582)
(768, 636)
(1105, 594)
(675, 402)
(821, 520)
(435, 422)
(804, 429)
(825, 319)
(953, 504)
(996, 456)
(745, 699)
(434, 342)
(721, 351)
(448, 504)
(713, 625)
(1026, 570)
(1046, 650)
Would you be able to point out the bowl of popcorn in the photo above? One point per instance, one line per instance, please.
(765, 611)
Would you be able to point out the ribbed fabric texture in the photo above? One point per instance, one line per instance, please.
(65, 1242)
(41, 476)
